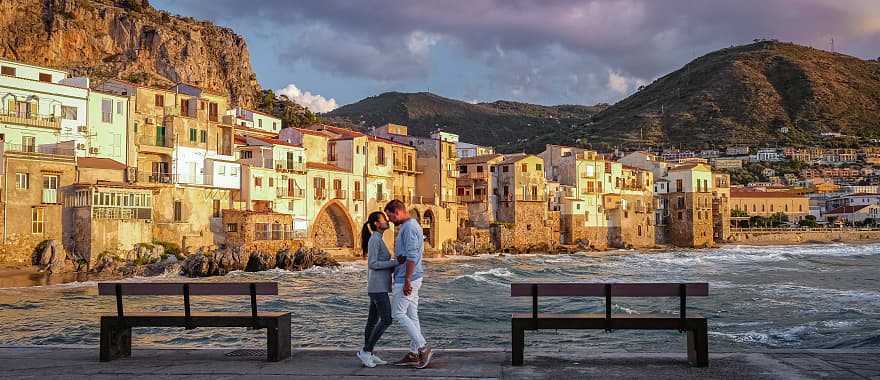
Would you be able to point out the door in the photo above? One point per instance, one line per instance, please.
(160, 135)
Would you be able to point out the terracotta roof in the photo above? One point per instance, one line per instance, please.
(739, 193)
(276, 142)
(313, 132)
(342, 131)
(478, 159)
(511, 158)
(323, 166)
(240, 139)
(846, 209)
(383, 140)
(688, 166)
(99, 163)
(260, 113)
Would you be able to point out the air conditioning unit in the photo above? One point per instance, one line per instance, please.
(83, 128)
(81, 146)
(93, 150)
(149, 120)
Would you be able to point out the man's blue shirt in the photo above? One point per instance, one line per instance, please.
(410, 243)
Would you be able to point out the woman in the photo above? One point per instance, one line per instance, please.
(380, 268)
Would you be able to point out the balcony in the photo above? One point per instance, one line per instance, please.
(50, 196)
(290, 166)
(339, 194)
(38, 149)
(403, 167)
(474, 175)
(171, 111)
(31, 120)
(569, 192)
(295, 193)
(471, 198)
(452, 173)
(530, 198)
(320, 193)
(157, 178)
(156, 144)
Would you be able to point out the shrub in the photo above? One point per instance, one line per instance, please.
(170, 249)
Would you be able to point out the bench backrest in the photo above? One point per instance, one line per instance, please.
(694, 289)
(195, 288)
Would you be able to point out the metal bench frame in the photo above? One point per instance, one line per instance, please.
(696, 327)
(116, 329)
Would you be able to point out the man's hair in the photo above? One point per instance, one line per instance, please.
(394, 205)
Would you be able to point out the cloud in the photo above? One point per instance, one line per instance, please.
(538, 50)
(315, 103)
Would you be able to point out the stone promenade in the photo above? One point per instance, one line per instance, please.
(82, 362)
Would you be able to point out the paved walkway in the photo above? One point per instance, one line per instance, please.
(82, 362)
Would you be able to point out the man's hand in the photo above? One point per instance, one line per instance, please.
(407, 288)
(401, 259)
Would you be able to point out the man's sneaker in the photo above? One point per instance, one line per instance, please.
(366, 359)
(377, 360)
(425, 355)
(409, 359)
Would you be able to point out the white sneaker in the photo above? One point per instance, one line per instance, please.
(366, 359)
(378, 360)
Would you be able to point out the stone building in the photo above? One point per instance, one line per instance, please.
(522, 218)
(263, 231)
(476, 192)
(721, 206)
(767, 203)
(689, 201)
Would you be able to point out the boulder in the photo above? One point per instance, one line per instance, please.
(105, 264)
(260, 261)
(304, 258)
(50, 256)
(195, 265)
(228, 260)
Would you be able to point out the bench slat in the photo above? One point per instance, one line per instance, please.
(195, 288)
(694, 289)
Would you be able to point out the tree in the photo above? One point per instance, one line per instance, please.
(869, 222)
(778, 219)
(808, 221)
(738, 213)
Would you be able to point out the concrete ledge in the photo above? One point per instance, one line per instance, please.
(82, 362)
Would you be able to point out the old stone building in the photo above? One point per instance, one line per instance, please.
(263, 231)
(689, 201)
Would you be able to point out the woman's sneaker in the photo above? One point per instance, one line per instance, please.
(366, 358)
(425, 355)
(377, 360)
(409, 359)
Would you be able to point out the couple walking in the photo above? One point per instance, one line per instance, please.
(405, 272)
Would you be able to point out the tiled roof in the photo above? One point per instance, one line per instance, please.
(99, 163)
(314, 133)
(739, 193)
(511, 158)
(255, 130)
(478, 159)
(387, 141)
(846, 209)
(323, 166)
(276, 142)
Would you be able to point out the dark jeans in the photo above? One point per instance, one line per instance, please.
(378, 320)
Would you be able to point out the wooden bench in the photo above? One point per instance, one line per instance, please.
(695, 325)
(116, 328)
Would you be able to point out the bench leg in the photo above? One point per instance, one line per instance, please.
(278, 340)
(115, 341)
(698, 346)
(518, 343)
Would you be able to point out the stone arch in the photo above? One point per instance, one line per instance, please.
(333, 227)
(428, 227)
(414, 213)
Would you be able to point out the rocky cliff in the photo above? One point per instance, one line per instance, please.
(130, 40)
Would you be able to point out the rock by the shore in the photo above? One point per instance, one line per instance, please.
(50, 256)
(304, 258)
(260, 261)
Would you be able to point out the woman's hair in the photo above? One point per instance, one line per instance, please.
(368, 228)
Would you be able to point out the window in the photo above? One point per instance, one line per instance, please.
(258, 181)
(213, 113)
(539, 167)
(524, 168)
(331, 152)
(234, 171)
(271, 182)
(192, 135)
(119, 108)
(479, 169)
(28, 144)
(203, 136)
(380, 191)
(50, 189)
(160, 100)
(505, 168)
(38, 220)
(45, 77)
(260, 123)
(247, 154)
(6, 70)
(106, 110)
(68, 113)
(231, 227)
(22, 180)
(380, 155)
(591, 171)
(274, 125)
(178, 211)
(462, 169)
(679, 184)
(216, 205)
(221, 169)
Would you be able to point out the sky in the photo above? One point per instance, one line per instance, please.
(328, 53)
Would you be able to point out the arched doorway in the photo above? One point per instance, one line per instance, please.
(428, 227)
(332, 228)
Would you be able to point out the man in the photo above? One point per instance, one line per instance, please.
(407, 280)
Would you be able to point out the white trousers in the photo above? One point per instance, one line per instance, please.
(405, 309)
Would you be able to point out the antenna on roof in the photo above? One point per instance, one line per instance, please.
(832, 44)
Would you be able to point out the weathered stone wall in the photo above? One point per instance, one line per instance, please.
(532, 231)
(94, 236)
(691, 225)
(806, 236)
(633, 226)
(574, 231)
(245, 235)
(198, 227)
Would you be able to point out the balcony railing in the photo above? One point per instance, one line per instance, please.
(403, 167)
(320, 193)
(471, 198)
(157, 177)
(296, 193)
(569, 192)
(339, 194)
(50, 196)
(452, 173)
(32, 120)
(38, 149)
(474, 175)
(171, 111)
(159, 141)
(290, 166)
